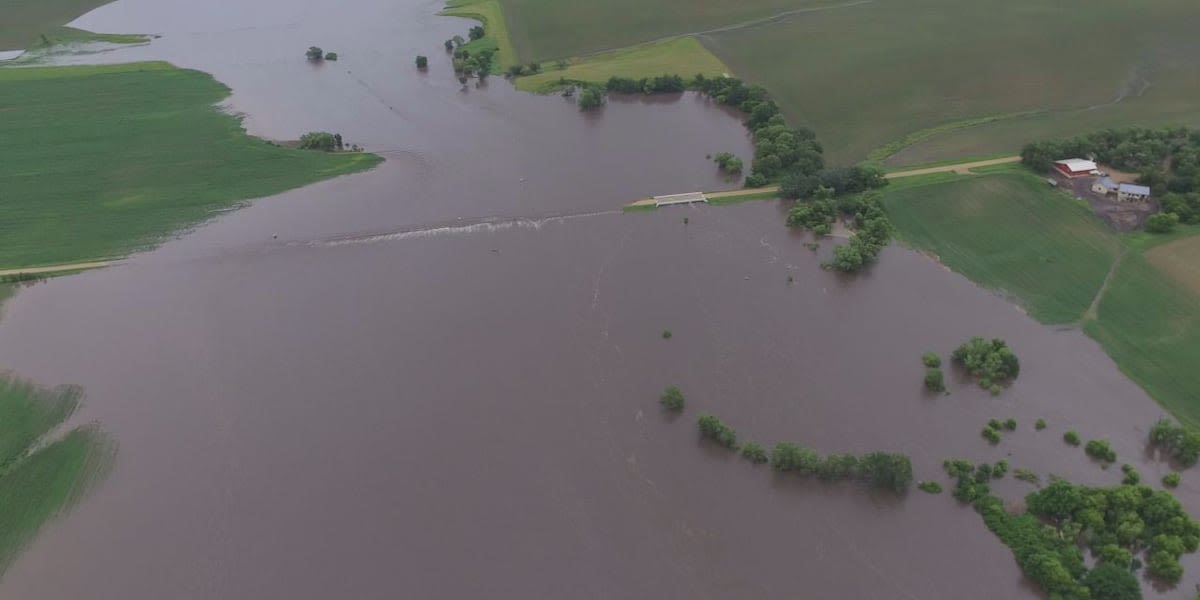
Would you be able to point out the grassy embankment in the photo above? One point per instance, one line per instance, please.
(869, 87)
(42, 475)
(1009, 231)
(496, 38)
(101, 161)
(684, 56)
(30, 24)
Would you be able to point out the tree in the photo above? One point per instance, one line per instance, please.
(1071, 438)
(935, 380)
(314, 53)
(1040, 424)
(1162, 223)
(331, 56)
(931, 359)
(476, 32)
(1171, 480)
(535, 67)
(1111, 582)
(449, 45)
(754, 453)
(728, 162)
(422, 62)
(672, 398)
(516, 71)
(591, 98)
(318, 140)
(793, 457)
(711, 427)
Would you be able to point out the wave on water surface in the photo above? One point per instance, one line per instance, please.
(458, 227)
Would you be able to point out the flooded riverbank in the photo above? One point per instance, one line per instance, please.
(441, 381)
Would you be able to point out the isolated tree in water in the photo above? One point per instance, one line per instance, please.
(315, 53)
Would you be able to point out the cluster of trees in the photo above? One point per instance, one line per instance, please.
(935, 380)
(1146, 151)
(711, 427)
(1120, 523)
(321, 140)
(880, 469)
(662, 84)
(816, 216)
(872, 233)
(1185, 207)
(778, 149)
(991, 431)
(1132, 477)
(476, 33)
(530, 69)
(591, 98)
(1100, 449)
(1163, 222)
(479, 63)
(931, 487)
(838, 180)
(728, 162)
(1116, 523)
(992, 361)
(1181, 442)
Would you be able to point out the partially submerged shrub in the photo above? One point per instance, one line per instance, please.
(672, 398)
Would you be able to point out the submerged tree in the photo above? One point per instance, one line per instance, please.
(315, 53)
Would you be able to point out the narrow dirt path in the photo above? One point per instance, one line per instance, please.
(1093, 311)
(960, 168)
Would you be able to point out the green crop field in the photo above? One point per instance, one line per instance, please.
(39, 480)
(23, 21)
(1012, 233)
(98, 162)
(1009, 231)
(955, 78)
(552, 29)
(1150, 325)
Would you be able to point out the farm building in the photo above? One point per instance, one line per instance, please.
(1104, 186)
(1075, 167)
(1127, 192)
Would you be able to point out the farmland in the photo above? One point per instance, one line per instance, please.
(102, 161)
(682, 55)
(1009, 232)
(35, 487)
(25, 20)
(846, 70)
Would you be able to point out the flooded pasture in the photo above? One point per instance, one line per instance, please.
(439, 379)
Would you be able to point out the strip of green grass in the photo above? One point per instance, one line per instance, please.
(39, 478)
(1011, 233)
(100, 161)
(682, 56)
(1150, 325)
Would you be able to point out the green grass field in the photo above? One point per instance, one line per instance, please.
(951, 78)
(101, 161)
(489, 14)
(680, 55)
(1150, 325)
(1012, 233)
(39, 477)
(1009, 231)
(23, 21)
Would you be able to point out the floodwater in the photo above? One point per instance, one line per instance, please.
(440, 379)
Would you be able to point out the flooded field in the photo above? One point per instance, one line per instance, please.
(439, 379)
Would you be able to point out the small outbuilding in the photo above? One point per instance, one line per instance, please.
(1104, 186)
(1075, 167)
(1127, 192)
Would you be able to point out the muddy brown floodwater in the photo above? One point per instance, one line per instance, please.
(440, 381)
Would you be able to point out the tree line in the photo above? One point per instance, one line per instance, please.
(887, 470)
(1150, 152)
